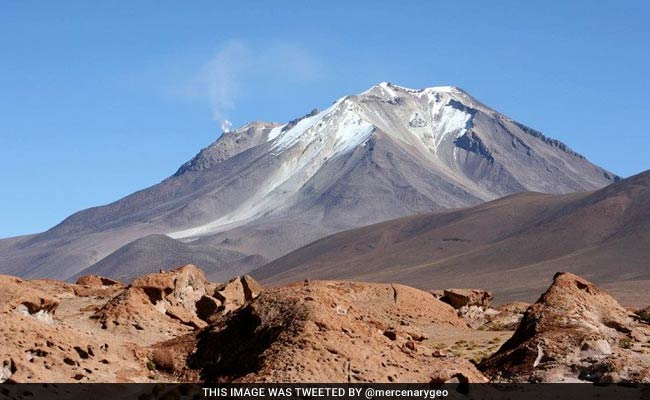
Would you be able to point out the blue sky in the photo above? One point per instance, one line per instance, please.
(100, 99)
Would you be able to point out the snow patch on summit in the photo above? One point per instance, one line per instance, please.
(288, 138)
(352, 132)
(340, 128)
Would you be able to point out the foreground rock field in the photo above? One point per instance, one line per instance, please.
(177, 326)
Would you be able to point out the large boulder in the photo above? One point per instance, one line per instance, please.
(236, 292)
(506, 317)
(25, 298)
(472, 305)
(459, 298)
(151, 300)
(181, 287)
(182, 294)
(574, 332)
(97, 286)
(97, 281)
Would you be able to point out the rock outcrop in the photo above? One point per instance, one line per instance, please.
(152, 300)
(459, 298)
(236, 292)
(506, 317)
(474, 307)
(332, 332)
(98, 330)
(24, 298)
(574, 332)
(169, 298)
(97, 281)
(97, 286)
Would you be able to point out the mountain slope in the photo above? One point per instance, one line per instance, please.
(268, 189)
(509, 246)
(154, 252)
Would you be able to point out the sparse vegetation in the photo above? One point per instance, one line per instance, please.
(496, 326)
(456, 352)
(644, 314)
(625, 343)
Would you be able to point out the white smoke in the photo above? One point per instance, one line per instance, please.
(226, 125)
(223, 79)
(220, 78)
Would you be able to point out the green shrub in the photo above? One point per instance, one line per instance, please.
(644, 314)
(625, 343)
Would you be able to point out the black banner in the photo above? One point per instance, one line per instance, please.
(556, 391)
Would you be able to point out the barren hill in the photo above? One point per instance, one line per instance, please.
(509, 246)
(154, 252)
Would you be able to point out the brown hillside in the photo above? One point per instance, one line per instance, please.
(509, 246)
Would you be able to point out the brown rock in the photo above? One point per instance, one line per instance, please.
(325, 331)
(336, 336)
(97, 281)
(252, 288)
(183, 286)
(391, 334)
(207, 307)
(7, 369)
(574, 332)
(418, 337)
(210, 287)
(439, 353)
(461, 372)
(155, 301)
(185, 316)
(458, 298)
(231, 295)
(25, 298)
(236, 292)
(94, 285)
(163, 360)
